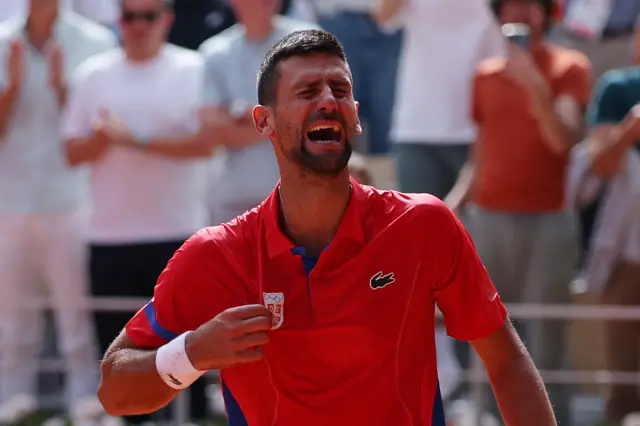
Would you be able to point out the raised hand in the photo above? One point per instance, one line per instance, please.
(55, 56)
(234, 336)
(15, 63)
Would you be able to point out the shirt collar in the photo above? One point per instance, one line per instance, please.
(351, 226)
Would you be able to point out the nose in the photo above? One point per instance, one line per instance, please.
(327, 102)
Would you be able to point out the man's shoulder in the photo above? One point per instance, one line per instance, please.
(627, 78)
(236, 234)
(222, 43)
(99, 64)
(10, 29)
(570, 59)
(90, 31)
(390, 204)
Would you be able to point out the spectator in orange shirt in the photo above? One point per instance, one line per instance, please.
(529, 108)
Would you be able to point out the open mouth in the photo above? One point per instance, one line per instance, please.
(326, 134)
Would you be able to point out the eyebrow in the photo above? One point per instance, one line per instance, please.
(319, 81)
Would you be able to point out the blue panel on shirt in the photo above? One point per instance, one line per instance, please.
(160, 331)
(235, 416)
(437, 417)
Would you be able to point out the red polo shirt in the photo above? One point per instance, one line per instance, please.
(354, 342)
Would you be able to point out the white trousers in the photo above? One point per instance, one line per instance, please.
(45, 256)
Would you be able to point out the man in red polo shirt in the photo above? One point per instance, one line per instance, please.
(318, 305)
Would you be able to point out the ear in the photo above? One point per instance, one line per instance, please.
(358, 128)
(263, 121)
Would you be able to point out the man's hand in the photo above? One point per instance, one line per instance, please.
(235, 336)
(223, 128)
(608, 144)
(56, 66)
(15, 64)
(633, 120)
(523, 70)
(112, 130)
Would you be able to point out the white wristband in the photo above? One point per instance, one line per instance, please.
(174, 366)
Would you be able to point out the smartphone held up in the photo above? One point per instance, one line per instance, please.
(518, 34)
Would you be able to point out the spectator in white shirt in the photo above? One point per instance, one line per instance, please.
(104, 12)
(43, 202)
(133, 117)
(432, 126)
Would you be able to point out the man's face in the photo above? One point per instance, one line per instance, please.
(254, 11)
(528, 12)
(315, 117)
(144, 22)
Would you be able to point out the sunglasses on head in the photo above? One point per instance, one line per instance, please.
(147, 16)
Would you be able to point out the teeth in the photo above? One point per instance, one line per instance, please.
(324, 127)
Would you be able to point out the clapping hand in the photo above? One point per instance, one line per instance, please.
(522, 69)
(15, 63)
(53, 52)
(111, 130)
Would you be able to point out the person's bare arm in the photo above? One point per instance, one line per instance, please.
(85, 150)
(7, 102)
(561, 120)
(462, 190)
(188, 146)
(515, 381)
(608, 143)
(15, 76)
(130, 382)
(223, 129)
(387, 10)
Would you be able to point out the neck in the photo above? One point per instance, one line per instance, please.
(259, 30)
(312, 212)
(40, 28)
(142, 55)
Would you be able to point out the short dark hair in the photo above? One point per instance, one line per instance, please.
(167, 4)
(547, 6)
(298, 43)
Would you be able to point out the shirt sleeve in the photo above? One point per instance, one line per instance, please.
(81, 106)
(194, 288)
(607, 105)
(463, 291)
(213, 90)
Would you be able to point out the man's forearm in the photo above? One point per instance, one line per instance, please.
(242, 136)
(521, 394)
(82, 150)
(61, 95)
(190, 146)
(7, 101)
(559, 136)
(607, 152)
(388, 9)
(131, 385)
(461, 192)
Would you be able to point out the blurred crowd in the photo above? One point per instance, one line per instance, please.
(126, 125)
